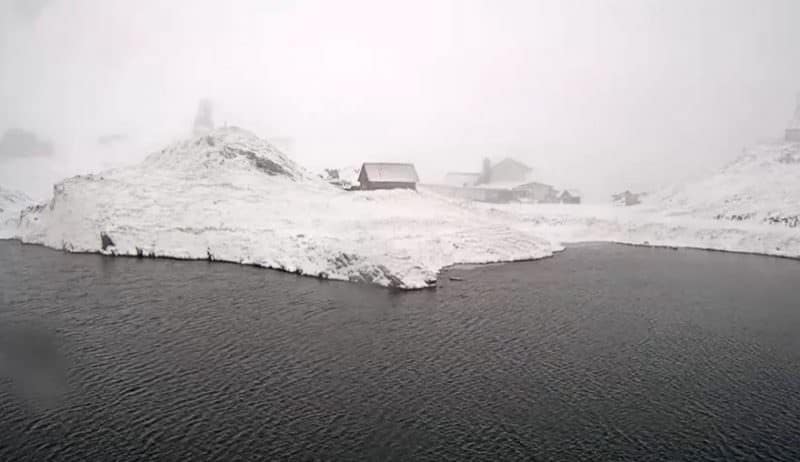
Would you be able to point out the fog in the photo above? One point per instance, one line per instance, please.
(600, 96)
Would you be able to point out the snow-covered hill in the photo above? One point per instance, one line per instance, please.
(761, 187)
(753, 206)
(231, 196)
(11, 204)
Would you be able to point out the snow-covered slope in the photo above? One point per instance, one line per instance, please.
(761, 187)
(11, 204)
(753, 205)
(231, 196)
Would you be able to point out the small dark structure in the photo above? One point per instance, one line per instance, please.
(536, 192)
(570, 197)
(627, 198)
(388, 175)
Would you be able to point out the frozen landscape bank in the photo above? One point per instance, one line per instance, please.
(230, 196)
(753, 206)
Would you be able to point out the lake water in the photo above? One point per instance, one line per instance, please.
(603, 352)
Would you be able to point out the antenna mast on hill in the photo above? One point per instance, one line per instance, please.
(204, 120)
(793, 131)
(796, 123)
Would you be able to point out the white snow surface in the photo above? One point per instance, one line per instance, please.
(230, 196)
(752, 206)
(11, 204)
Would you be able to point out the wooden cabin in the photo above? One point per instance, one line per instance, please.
(388, 175)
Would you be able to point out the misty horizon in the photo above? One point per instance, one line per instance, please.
(598, 96)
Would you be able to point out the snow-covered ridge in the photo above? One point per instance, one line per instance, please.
(231, 196)
(761, 187)
(752, 205)
(11, 204)
(224, 149)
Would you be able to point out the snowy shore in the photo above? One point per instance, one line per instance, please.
(563, 225)
(752, 206)
(230, 196)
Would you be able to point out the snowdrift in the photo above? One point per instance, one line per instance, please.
(230, 196)
(11, 204)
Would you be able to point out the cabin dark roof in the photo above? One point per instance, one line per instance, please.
(389, 172)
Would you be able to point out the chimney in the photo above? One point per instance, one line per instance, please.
(797, 112)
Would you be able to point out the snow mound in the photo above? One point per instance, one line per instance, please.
(11, 204)
(223, 150)
(230, 196)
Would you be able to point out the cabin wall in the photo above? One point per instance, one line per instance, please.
(538, 192)
(793, 134)
(473, 194)
(371, 186)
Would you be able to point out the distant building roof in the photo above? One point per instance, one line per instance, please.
(389, 172)
(512, 163)
(501, 184)
(513, 185)
(571, 192)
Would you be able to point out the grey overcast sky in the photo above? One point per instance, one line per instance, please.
(596, 95)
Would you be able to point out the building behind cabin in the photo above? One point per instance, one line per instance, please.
(388, 175)
(497, 196)
(570, 197)
(536, 192)
(462, 179)
(509, 170)
(204, 119)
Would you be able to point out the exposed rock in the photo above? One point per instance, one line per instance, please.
(105, 241)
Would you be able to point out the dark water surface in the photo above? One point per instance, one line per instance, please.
(601, 353)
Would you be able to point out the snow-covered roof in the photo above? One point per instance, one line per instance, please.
(502, 184)
(461, 178)
(572, 192)
(389, 172)
(513, 163)
(532, 184)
